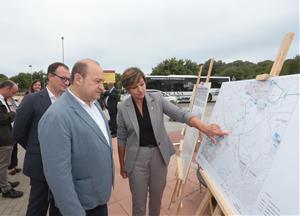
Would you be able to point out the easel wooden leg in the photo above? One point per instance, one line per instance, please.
(205, 202)
(217, 211)
(211, 208)
(180, 205)
(175, 192)
(179, 188)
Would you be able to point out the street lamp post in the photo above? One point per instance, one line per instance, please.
(30, 67)
(44, 77)
(63, 50)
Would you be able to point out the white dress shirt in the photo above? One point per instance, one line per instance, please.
(3, 102)
(94, 112)
(51, 95)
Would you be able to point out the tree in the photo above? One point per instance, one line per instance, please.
(23, 80)
(263, 67)
(118, 81)
(176, 67)
(291, 66)
(3, 77)
(239, 69)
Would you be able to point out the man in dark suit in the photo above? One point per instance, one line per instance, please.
(13, 166)
(112, 104)
(7, 89)
(25, 132)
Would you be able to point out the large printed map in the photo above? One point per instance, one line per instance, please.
(256, 167)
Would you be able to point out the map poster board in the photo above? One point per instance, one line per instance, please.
(256, 167)
(192, 134)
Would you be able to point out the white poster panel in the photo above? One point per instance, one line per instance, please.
(192, 134)
(256, 167)
(200, 100)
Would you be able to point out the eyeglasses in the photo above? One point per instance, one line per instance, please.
(64, 79)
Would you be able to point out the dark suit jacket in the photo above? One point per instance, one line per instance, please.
(31, 109)
(112, 101)
(6, 118)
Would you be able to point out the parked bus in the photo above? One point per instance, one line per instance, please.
(181, 86)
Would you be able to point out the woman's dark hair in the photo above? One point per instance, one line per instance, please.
(31, 90)
(131, 77)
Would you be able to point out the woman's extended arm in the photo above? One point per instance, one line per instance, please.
(211, 131)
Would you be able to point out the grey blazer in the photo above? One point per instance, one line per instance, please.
(128, 128)
(77, 159)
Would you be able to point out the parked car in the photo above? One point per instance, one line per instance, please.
(169, 98)
(172, 99)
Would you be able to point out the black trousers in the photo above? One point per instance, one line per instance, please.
(100, 210)
(113, 123)
(14, 157)
(38, 199)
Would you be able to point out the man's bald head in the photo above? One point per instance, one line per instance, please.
(87, 80)
(8, 88)
(81, 67)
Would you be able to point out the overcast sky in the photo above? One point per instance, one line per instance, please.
(124, 33)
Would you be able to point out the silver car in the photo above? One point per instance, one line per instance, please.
(169, 98)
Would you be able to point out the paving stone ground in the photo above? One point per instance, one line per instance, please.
(120, 202)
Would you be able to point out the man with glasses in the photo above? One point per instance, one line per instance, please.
(31, 109)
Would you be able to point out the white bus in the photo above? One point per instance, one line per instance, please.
(181, 86)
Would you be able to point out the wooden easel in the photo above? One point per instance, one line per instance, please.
(282, 53)
(213, 191)
(181, 179)
(195, 87)
(192, 101)
(198, 81)
(222, 207)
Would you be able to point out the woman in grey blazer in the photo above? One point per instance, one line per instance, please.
(144, 146)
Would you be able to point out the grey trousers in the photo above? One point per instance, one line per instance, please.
(149, 175)
(5, 155)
